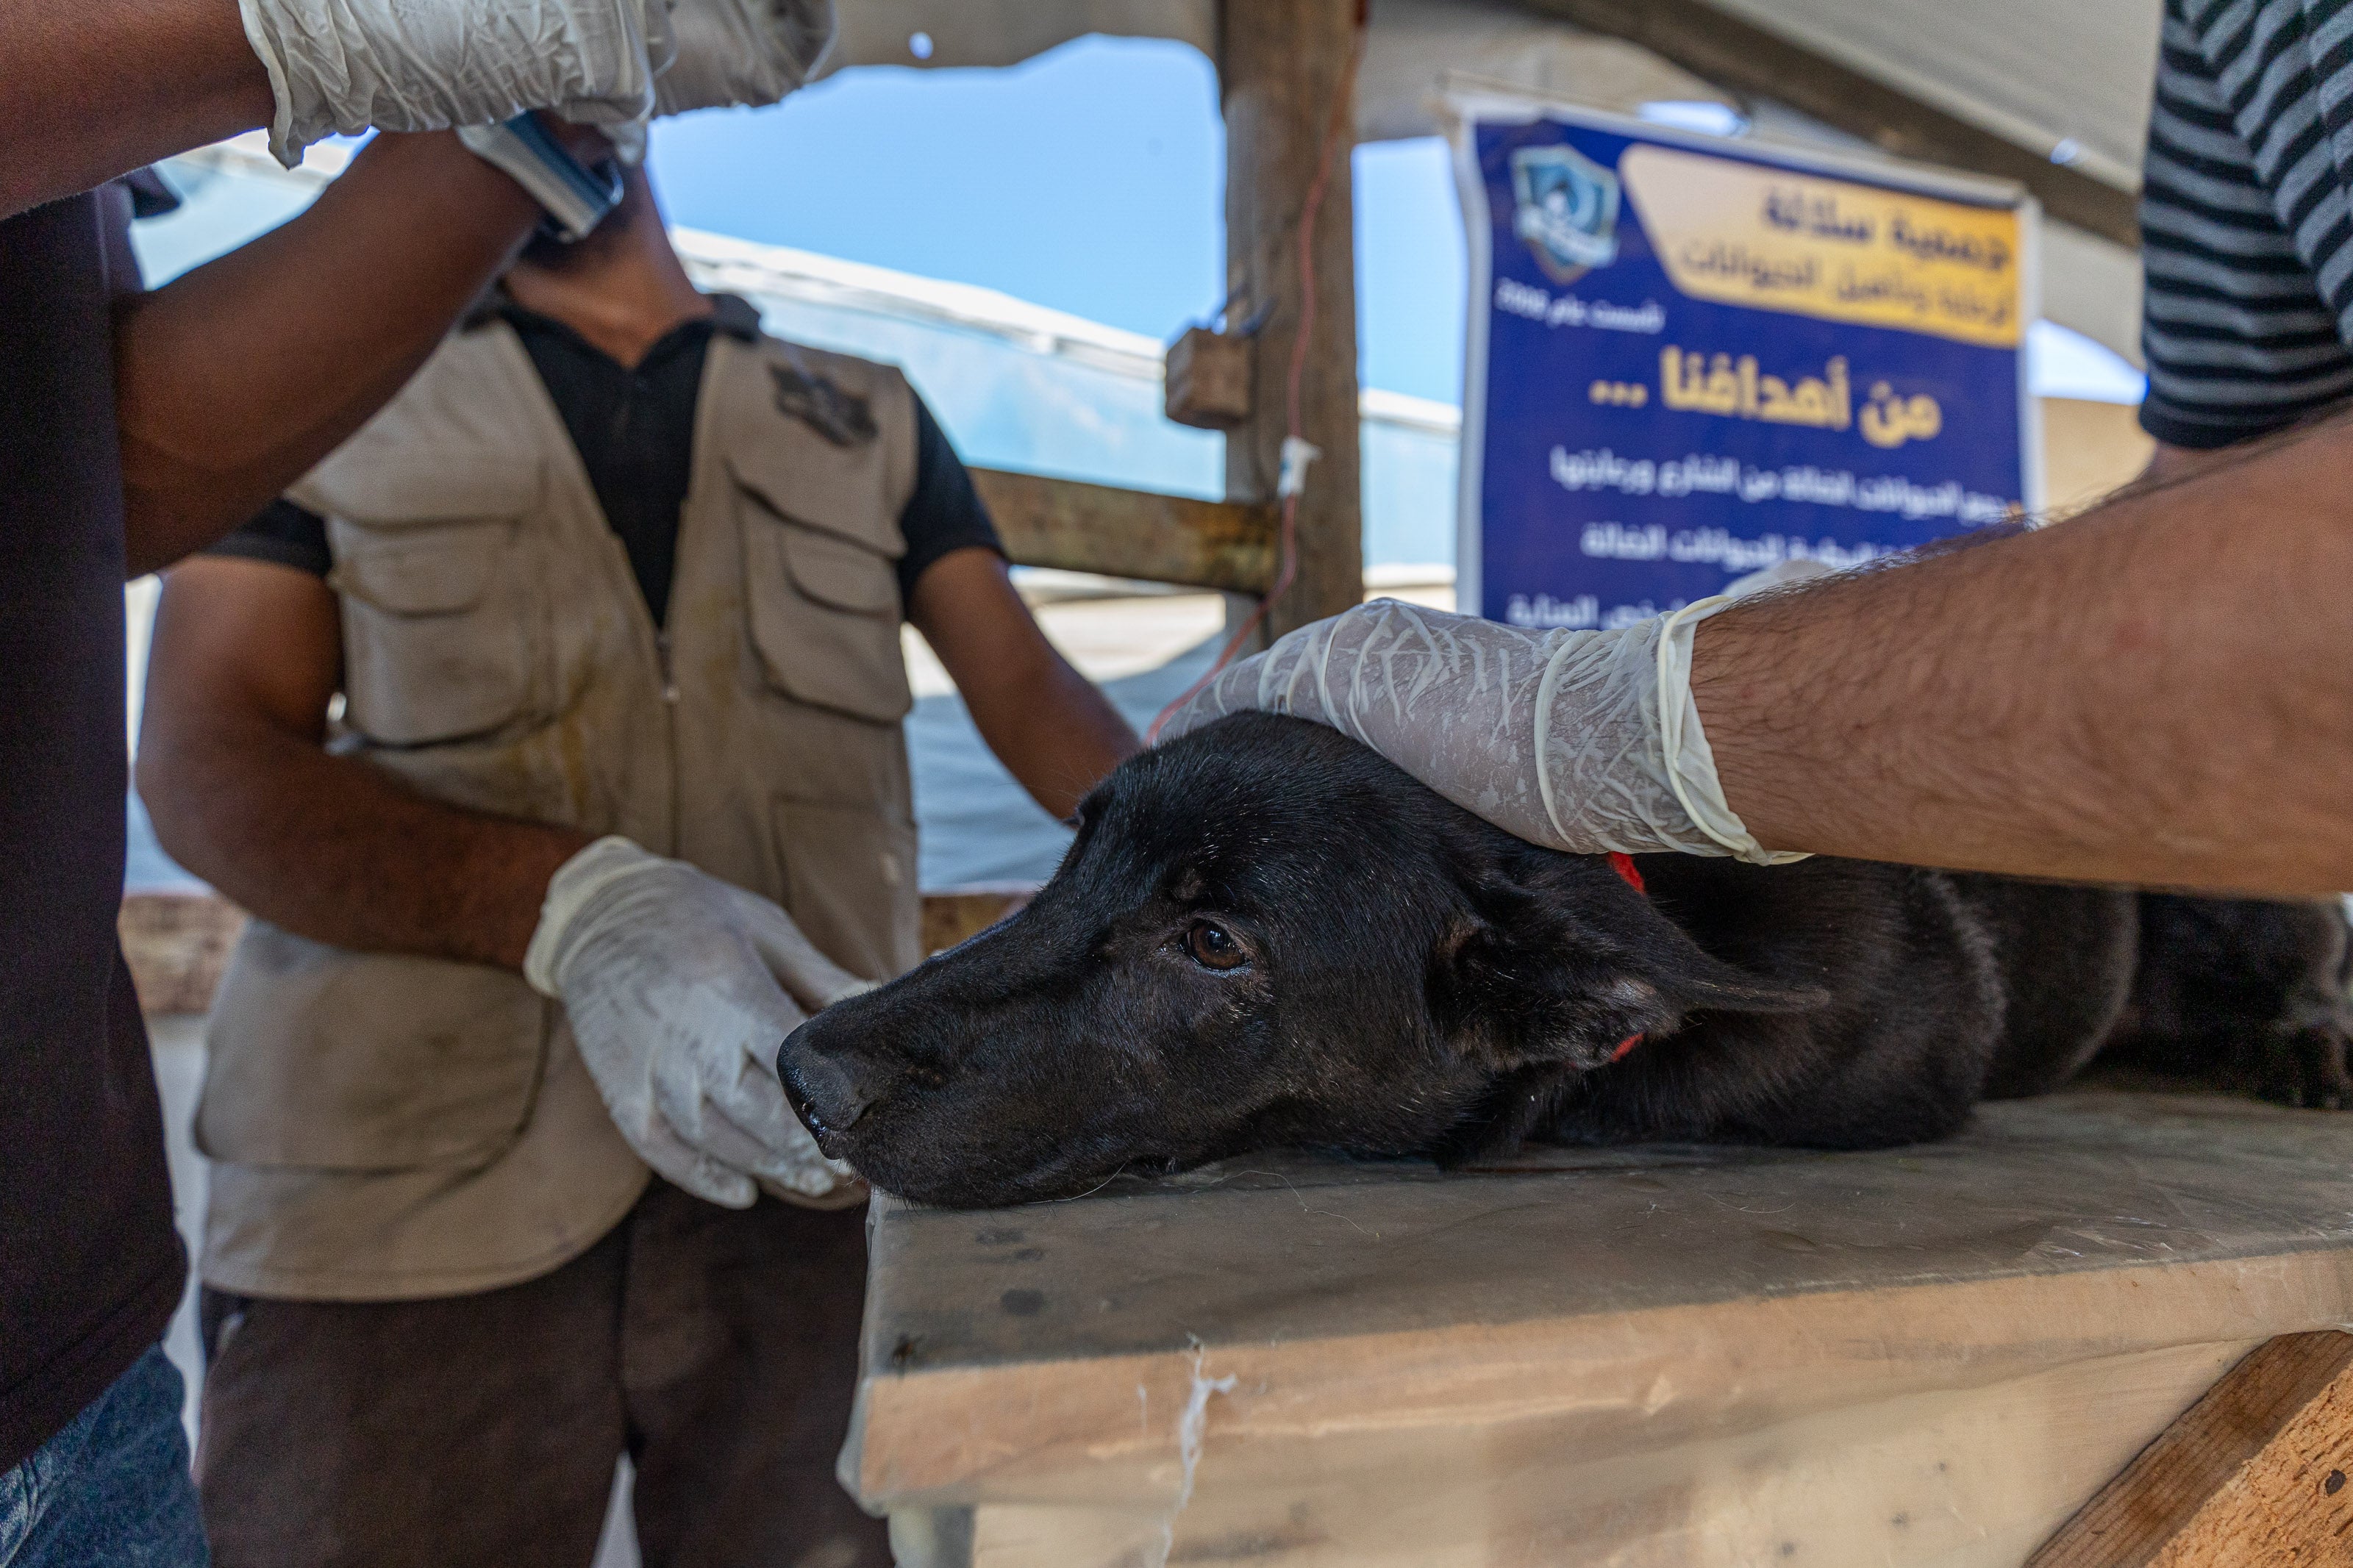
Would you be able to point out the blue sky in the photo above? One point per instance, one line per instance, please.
(1092, 180)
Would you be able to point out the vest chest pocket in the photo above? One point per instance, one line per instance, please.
(440, 640)
(824, 614)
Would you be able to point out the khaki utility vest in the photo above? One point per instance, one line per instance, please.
(390, 1127)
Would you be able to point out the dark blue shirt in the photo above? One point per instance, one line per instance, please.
(90, 1268)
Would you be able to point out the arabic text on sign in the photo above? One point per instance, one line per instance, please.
(1805, 243)
(1890, 421)
(1734, 389)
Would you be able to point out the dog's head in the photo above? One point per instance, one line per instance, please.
(1263, 935)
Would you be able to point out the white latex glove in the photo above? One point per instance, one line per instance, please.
(742, 51)
(1583, 740)
(428, 64)
(710, 54)
(681, 989)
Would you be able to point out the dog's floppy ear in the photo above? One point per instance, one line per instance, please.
(1558, 962)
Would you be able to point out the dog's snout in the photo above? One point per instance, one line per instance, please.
(830, 1090)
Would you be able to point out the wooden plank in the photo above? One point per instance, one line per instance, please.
(953, 914)
(2253, 1475)
(1745, 58)
(1130, 533)
(1965, 1477)
(177, 945)
(1284, 67)
(1606, 1301)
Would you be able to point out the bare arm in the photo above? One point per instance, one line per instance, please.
(232, 768)
(233, 379)
(93, 89)
(1047, 723)
(2159, 691)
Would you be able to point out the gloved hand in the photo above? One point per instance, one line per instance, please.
(428, 64)
(716, 53)
(1582, 740)
(681, 989)
(742, 51)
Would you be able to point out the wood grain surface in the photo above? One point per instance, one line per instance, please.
(1151, 538)
(2253, 1476)
(1282, 67)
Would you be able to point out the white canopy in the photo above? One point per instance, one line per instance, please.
(2069, 83)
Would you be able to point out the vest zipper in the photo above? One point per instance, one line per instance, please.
(670, 729)
(661, 652)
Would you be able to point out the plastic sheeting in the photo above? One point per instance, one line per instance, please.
(1656, 1355)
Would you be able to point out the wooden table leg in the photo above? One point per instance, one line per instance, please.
(2253, 1476)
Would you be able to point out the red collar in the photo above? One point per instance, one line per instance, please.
(1623, 864)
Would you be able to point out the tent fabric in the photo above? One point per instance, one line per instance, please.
(1418, 48)
(2067, 80)
(2072, 80)
(1006, 32)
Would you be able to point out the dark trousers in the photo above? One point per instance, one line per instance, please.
(718, 1348)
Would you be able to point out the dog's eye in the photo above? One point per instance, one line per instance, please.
(1212, 946)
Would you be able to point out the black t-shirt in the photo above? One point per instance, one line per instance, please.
(90, 1267)
(635, 432)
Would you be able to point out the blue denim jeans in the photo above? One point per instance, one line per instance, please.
(112, 1490)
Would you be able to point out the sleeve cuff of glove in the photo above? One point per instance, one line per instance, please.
(576, 882)
(1690, 762)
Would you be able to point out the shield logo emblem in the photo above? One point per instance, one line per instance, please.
(1565, 210)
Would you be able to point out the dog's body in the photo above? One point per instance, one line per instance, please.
(1267, 935)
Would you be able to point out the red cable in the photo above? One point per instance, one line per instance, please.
(1287, 536)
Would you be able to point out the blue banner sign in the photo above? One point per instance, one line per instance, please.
(1691, 358)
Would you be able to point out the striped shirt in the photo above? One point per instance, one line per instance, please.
(2246, 229)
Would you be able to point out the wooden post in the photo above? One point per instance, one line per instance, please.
(1281, 62)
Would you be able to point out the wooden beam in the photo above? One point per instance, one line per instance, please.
(1130, 533)
(1745, 58)
(1285, 67)
(953, 914)
(177, 945)
(2253, 1475)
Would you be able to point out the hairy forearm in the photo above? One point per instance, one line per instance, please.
(2156, 691)
(236, 377)
(91, 90)
(1052, 730)
(1055, 733)
(340, 851)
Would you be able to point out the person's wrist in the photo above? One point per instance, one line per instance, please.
(511, 904)
(1726, 703)
(568, 170)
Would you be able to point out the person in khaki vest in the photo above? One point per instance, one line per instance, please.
(503, 1183)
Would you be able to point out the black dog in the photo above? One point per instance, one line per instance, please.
(1267, 935)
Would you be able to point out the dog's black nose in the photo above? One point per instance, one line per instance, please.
(827, 1092)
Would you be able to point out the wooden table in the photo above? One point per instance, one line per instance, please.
(1655, 1356)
